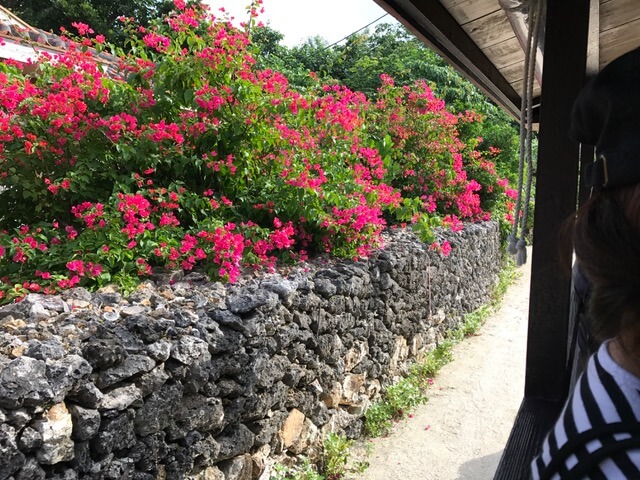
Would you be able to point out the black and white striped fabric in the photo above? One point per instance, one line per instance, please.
(598, 433)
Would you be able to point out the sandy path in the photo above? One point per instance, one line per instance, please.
(461, 432)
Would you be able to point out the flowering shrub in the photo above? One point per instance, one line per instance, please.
(443, 180)
(192, 156)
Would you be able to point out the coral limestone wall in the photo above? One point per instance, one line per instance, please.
(191, 379)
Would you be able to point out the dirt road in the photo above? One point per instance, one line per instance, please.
(461, 431)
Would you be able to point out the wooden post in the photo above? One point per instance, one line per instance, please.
(565, 54)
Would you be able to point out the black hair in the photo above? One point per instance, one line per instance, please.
(606, 239)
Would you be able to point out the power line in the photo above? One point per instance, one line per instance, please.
(353, 33)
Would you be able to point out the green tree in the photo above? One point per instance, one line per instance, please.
(100, 15)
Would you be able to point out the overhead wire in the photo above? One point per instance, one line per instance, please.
(353, 33)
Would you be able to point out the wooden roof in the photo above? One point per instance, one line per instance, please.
(478, 39)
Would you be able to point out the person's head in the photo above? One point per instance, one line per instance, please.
(606, 239)
(606, 235)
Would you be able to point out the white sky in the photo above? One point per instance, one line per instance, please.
(301, 19)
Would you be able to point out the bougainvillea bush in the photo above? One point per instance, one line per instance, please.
(443, 181)
(186, 155)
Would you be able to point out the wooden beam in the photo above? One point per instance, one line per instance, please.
(535, 419)
(566, 33)
(618, 41)
(593, 48)
(434, 25)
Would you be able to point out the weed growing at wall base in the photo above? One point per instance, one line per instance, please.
(332, 464)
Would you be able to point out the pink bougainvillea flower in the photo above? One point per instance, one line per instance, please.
(83, 28)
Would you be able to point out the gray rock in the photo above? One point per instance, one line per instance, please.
(130, 340)
(119, 469)
(190, 350)
(18, 418)
(267, 370)
(133, 310)
(86, 395)
(205, 449)
(65, 474)
(50, 302)
(229, 388)
(152, 381)
(23, 381)
(166, 277)
(121, 398)
(31, 471)
(228, 365)
(77, 293)
(147, 328)
(66, 374)
(249, 327)
(86, 422)
(98, 467)
(248, 301)
(320, 414)
(103, 352)
(115, 434)
(197, 376)
(38, 311)
(221, 339)
(149, 450)
(325, 287)
(137, 475)
(266, 429)
(159, 351)
(15, 310)
(29, 440)
(307, 302)
(276, 346)
(45, 350)
(293, 374)
(237, 440)
(156, 413)
(330, 348)
(185, 318)
(386, 282)
(11, 458)
(239, 468)
(285, 289)
(82, 459)
(195, 278)
(197, 412)
(106, 298)
(131, 365)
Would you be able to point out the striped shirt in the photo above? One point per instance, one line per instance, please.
(598, 433)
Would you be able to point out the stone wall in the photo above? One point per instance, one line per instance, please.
(192, 379)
